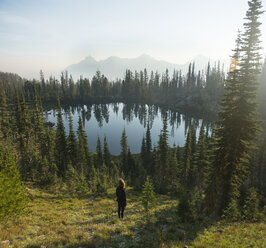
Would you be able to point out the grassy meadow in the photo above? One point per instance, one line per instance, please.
(55, 219)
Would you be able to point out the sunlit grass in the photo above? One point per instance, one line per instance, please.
(57, 220)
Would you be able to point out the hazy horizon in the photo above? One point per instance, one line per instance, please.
(57, 74)
(115, 67)
(51, 35)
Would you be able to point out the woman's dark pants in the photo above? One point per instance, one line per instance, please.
(121, 211)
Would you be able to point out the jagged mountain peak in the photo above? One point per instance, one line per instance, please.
(115, 67)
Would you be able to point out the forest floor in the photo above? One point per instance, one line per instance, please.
(58, 220)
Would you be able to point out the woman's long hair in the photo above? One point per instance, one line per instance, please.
(121, 183)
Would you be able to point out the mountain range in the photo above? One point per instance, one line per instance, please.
(115, 67)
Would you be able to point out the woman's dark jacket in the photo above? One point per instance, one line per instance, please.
(121, 196)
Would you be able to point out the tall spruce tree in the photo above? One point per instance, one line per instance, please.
(262, 92)
(186, 167)
(131, 166)
(163, 152)
(148, 195)
(200, 167)
(148, 150)
(99, 155)
(83, 148)
(124, 151)
(237, 125)
(12, 193)
(24, 128)
(38, 121)
(4, 117)
(17, 114)
(143, 151)
(73, 147)
(174, 172)
(260, 168)
(60, 144)
(106, 155)
(25, 124)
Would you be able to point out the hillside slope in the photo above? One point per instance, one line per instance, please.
(58, 220)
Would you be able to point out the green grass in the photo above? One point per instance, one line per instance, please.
(242, 235)
(58, 220)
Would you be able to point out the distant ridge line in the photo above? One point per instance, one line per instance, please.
(114, 67)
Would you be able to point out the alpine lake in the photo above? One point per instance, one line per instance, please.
(110, 120)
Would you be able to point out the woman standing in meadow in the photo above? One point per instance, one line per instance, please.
(121, 197)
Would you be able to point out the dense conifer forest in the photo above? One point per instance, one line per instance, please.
(183, 91)
(218, 176)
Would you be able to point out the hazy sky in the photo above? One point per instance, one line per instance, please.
(51, 34)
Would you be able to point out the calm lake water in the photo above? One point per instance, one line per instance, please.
(111, 119)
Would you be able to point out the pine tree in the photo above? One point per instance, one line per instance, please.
(131, 165)
(237, 125)
(99, 155)
(73, 147)
(60, 144)
(251, 206)
(71, 179)
(262, 92)
(184, 208)
(104, 181)
(12, 193)
(107, 155)
(187, 160)
(49, 138)
(232, 213)
(148, 150)
(4, 116)
(143, 151)
(47, 173)
(213, 202)
(124, 151)
(174, 173)
(163, 153)
(83, 148)
(261, 166)
(25, 124)
(201, 161)
(93, 179)
(148, 195)
(24, 128)
(17, 115)
(38, 123)
(114, 173)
